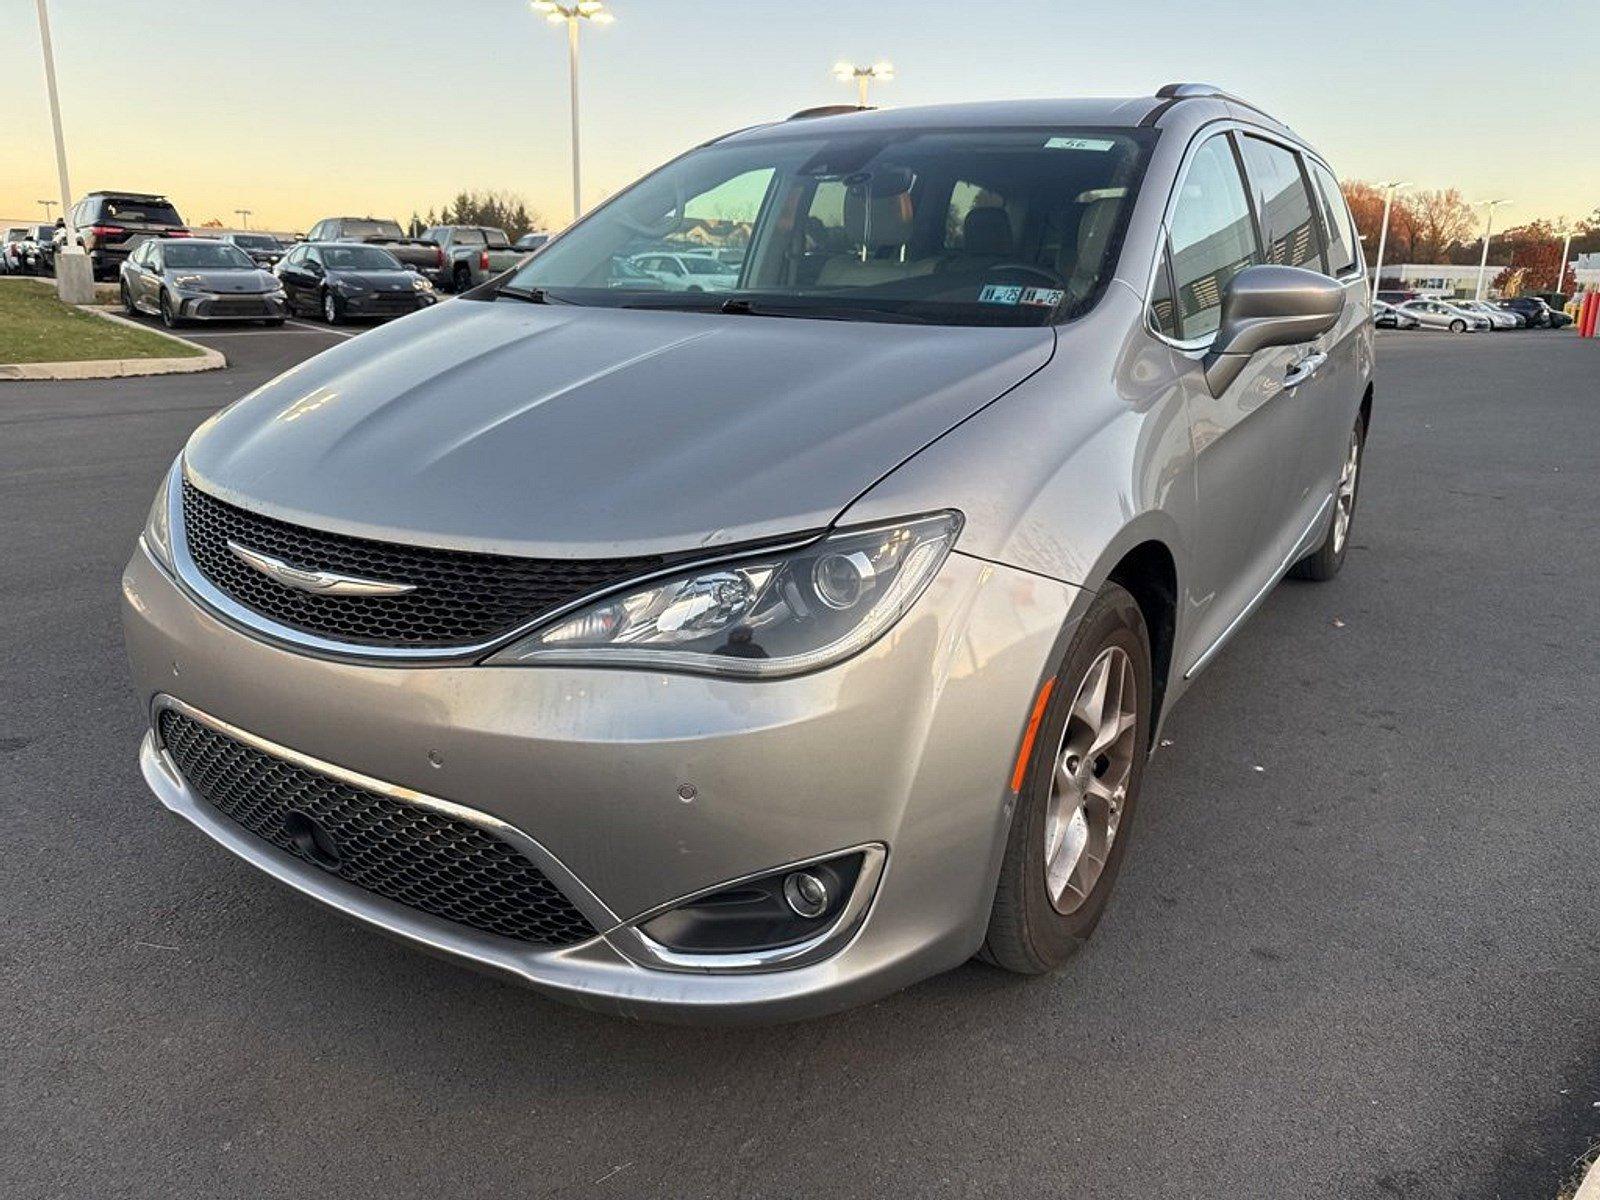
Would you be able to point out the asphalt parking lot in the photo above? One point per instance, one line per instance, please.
(1353, 953)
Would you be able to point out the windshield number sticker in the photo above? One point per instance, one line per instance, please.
(1078, 143)
(1046, 297)
(1000, 293)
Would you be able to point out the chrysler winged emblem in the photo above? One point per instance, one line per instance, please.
(322, 583)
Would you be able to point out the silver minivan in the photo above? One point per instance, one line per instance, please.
(751, 653)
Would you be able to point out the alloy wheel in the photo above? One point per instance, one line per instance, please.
(1345, 499)
(1090, 787)
(330, 308)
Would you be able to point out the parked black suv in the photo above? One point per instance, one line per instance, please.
(1539, 314)
(111, 224)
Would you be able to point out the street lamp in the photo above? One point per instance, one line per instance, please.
(1488, 231)
(1389, 189)
(845, 72)
(1561, 268)
(571, 15)
(74, 273)
(244, 216)
(48, 205)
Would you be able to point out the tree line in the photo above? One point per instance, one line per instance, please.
(497, 210)
(1439, 226)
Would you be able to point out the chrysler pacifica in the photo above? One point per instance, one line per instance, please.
(750, 652)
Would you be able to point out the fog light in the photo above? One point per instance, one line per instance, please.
(805, 894)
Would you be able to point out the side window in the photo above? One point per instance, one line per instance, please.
(313, 256)
(1282, 203)
(1213, 238)
(1344, 248)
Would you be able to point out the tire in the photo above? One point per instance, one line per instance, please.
(169, 318)
(461, 281)
(1029, 933)
(127, 299)
(1458, 326)
(1323, 563)
(330, 308)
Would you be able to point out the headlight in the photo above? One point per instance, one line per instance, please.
(189, 281)
(759, 615)
(344, 287)
(421, 284)
(157, 533)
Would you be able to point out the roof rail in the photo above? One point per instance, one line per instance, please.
(1193, 91)
(828, 110)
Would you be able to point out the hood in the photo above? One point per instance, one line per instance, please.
(228, 280)
(376, 281)
(558, 431)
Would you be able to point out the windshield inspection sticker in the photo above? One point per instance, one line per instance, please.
(1048, 297)
(1000, 293)
(1077, 143)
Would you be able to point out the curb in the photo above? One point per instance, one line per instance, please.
(119, 368)
(1589, 1189)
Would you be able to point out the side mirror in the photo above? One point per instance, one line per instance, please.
(315, 268)
(1269, 306)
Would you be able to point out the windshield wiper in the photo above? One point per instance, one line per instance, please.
(753, 308)
(535, 295)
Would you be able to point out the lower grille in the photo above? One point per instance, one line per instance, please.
(247, 306)
(412, 855)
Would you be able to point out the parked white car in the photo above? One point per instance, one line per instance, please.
(688, 272)
(1440, 314)
(1387, 316)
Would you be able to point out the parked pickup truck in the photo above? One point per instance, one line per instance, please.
(473, 253)
(426, 256)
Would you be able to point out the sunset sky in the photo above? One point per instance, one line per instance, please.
(301, 109)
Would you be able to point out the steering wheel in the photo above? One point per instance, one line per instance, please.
(1044, 273)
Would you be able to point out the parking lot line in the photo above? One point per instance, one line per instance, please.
(322, 329)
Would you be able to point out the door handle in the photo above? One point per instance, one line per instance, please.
(1303, 370)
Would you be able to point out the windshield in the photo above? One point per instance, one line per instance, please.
(361, 229)
(966, 227)
(256, 241)
(204, 254)
(359, 258)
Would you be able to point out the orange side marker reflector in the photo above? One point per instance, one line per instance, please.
(1026, 752)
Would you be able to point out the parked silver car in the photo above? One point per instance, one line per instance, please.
(746, 655)
(1441, 314)
(198, 279)
(1497, 317)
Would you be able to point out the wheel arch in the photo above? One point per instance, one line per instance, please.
(1149, 573)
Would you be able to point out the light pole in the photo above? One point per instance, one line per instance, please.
(244, 216)
(48, 205)
(571, 15)
(1488, 231)
(74, 273)
(1561, 269)
(1389, 189)
(845, 72)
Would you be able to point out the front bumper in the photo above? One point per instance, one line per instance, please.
(906, 747)
(243, 306)
(385, 304)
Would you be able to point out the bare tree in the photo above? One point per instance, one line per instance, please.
(1440, 219)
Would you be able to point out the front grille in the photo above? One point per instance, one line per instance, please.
(240, 306)
(414, 856)
(460, 597)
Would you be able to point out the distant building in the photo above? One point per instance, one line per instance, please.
(1587, 269)
(1442, 279)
